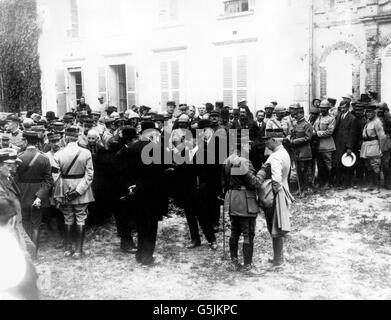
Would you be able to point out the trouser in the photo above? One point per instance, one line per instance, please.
(245, 226)
(146, 235)
(359, 170)
(385, 164)
(52, 213)
(31, 219)
(124, 220)
(324, 161)
(74, 212)
(209, 205)
(373, 164)
(194, 216)
(303, 173)
(343, 176)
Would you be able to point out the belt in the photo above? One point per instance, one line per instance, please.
(72, 176)
(370, 139)
(31, 180)
(237, 188)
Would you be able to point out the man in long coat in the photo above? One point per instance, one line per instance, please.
(34, 179)
(149, 206)
(345, 135)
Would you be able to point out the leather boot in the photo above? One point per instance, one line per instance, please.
(79, 242)
(278, 257)
(127, 245)
(387, 176)
(233, 248)
(248, 253)
(68, 241)
(35, 240)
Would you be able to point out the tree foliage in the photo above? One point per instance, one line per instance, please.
(20, 73)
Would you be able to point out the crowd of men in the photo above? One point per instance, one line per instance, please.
(91, 164)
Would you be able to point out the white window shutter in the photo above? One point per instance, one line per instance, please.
(173, 10)
(102, 79)
(251, 4)
(164, 75)
(227, 81)
(162, 11)
(175, 75)
(131, 84)
(241, 68)
(61, 97)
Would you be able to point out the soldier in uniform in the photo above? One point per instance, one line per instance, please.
(300, 140)
(5, 143)
(325, 146)
(359, 167)
(373, 143)
(73, 189)
(385, 117)
(170, 118)
(278, 216)
(50, 210)
(240, 183)
(35, 181)
(14, 133)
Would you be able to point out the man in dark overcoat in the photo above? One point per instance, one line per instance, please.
(345, 135)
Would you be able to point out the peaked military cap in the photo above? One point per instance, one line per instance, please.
(52, 136)
(72, 131)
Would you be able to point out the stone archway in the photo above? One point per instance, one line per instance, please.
(349, 49)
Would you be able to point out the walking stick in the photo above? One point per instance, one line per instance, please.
(224, 254)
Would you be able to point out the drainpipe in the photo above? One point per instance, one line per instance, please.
(310, 53)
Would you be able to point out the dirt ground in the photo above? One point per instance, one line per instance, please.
(339, 248)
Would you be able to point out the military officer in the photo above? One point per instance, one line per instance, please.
(73, 189)
(324, 143)
(14, 133)
(300, 140)
(373, 143)
(34, 179)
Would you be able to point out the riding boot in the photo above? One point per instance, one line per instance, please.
(127, 245)
(68, 240)
(248, 253)
(35, 240)
(387, 184)
(79, 242)
(278, 258)
(233, 248)
(376, 181)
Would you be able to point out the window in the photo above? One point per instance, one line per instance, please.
(236, 6)
(169, 81)
(74, 31)
(168, 11)
(234, 80)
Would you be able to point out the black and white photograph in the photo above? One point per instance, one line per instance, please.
(195, 150)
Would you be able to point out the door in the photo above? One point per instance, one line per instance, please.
(117, 88)
(75, 87)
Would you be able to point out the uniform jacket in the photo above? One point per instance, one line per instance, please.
(345, 136)
(386, 121)
(373, 129)
(83, 167)
(323, 129)
(16, 138)
(301, 136)
(34, 178)
(240, 198)
(280, 164)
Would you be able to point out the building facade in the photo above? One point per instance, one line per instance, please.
(352, 52)
(146, 52)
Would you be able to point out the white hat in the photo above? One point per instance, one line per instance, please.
(348, 160)
(130, 114)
